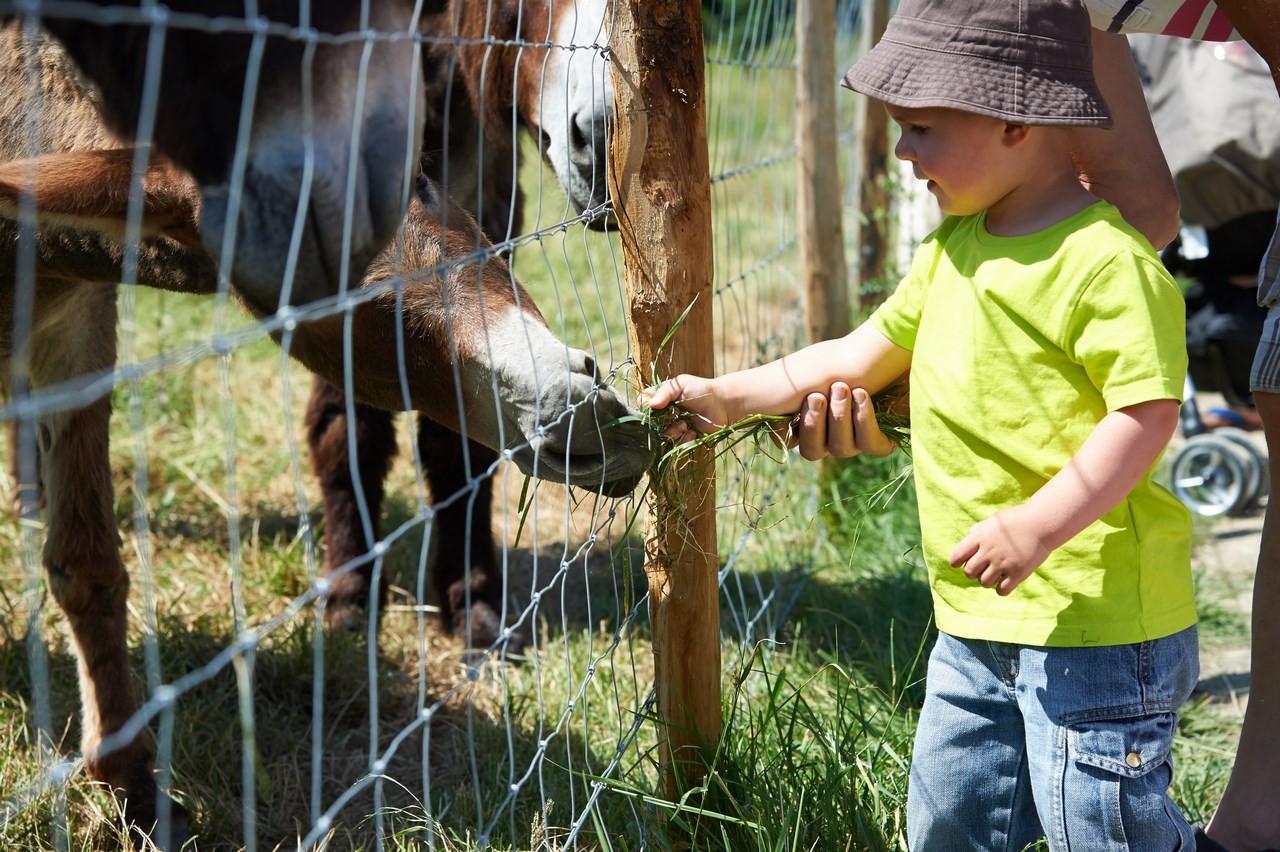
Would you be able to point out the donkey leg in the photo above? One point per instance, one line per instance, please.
(73, 335)
(465, 563)
(345, 538)
(89, 582)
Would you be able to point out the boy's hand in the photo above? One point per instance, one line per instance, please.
(841, 424)
(1001, 551)
(693, 395)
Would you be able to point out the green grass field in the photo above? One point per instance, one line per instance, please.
(825, 608)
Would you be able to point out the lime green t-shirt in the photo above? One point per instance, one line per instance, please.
(1020, 346)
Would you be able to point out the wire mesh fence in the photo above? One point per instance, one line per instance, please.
(332, 643)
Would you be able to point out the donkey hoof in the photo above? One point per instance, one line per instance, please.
(484, 629)
(347, 607)
(145, 831)
(346, 615)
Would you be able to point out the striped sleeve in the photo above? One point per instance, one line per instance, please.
(1195, 19)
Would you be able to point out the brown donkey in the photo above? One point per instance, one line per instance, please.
(562, 98)
(519, 384)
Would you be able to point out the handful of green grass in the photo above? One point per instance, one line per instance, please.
(769, 432)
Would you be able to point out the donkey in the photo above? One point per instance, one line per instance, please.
(305, 90)
(562, 97)
(490, 328)
(472, 314)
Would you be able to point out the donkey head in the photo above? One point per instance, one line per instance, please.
(554, 75)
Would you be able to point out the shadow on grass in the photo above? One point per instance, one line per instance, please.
(844, 680)
(816, 747)
(459, 765)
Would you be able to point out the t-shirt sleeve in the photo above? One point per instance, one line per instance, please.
(898, 318)
(1128, 329)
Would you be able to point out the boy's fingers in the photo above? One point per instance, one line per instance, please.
(840, 423)
(658, 397)
(870, 439)
(963, 552)
(811, 429)
(672, 390)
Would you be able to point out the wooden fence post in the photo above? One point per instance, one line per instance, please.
(873, 189)
(661, 189)
(820, 232)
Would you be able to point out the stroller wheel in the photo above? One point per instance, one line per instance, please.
(1255, 463)
(1209, 476)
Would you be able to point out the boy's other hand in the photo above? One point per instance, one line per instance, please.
(702, 411)
(841, 423)
(1001, 551)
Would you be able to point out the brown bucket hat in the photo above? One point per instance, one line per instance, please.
(1023, 61)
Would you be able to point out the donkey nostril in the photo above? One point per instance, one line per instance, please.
(577, 139)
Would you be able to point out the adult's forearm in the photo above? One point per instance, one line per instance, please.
(1125, 165)
(1258, 21)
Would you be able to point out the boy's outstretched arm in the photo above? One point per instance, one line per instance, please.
(1003, 550)
(864, 358)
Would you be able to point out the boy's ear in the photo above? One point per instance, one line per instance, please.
(1015, 134)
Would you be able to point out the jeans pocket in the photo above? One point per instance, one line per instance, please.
(1129, 746)
(1115, 788)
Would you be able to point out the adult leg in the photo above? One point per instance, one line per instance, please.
(345, 534)
(1247, 818)
(1100, 725)
(970, 787)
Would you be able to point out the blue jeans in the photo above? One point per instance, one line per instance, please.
(1018, 742)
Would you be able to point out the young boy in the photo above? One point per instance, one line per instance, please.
(1047, 356)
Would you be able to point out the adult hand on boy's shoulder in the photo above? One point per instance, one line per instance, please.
(1001, 551)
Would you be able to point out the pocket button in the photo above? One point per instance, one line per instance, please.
(1133, 759)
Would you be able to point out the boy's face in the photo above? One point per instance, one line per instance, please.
(958, 153)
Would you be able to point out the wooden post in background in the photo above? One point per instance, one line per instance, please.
(820, 232)
(873, 189)
(660, 184)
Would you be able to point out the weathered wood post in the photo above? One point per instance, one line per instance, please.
(873, 189)
(820, 231)
(661, 189)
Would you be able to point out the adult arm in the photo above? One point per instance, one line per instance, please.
(1258, 21)
(1004, 549)
(1247, 817)
(1124, 165)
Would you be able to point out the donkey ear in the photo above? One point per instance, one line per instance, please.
(89, 190)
